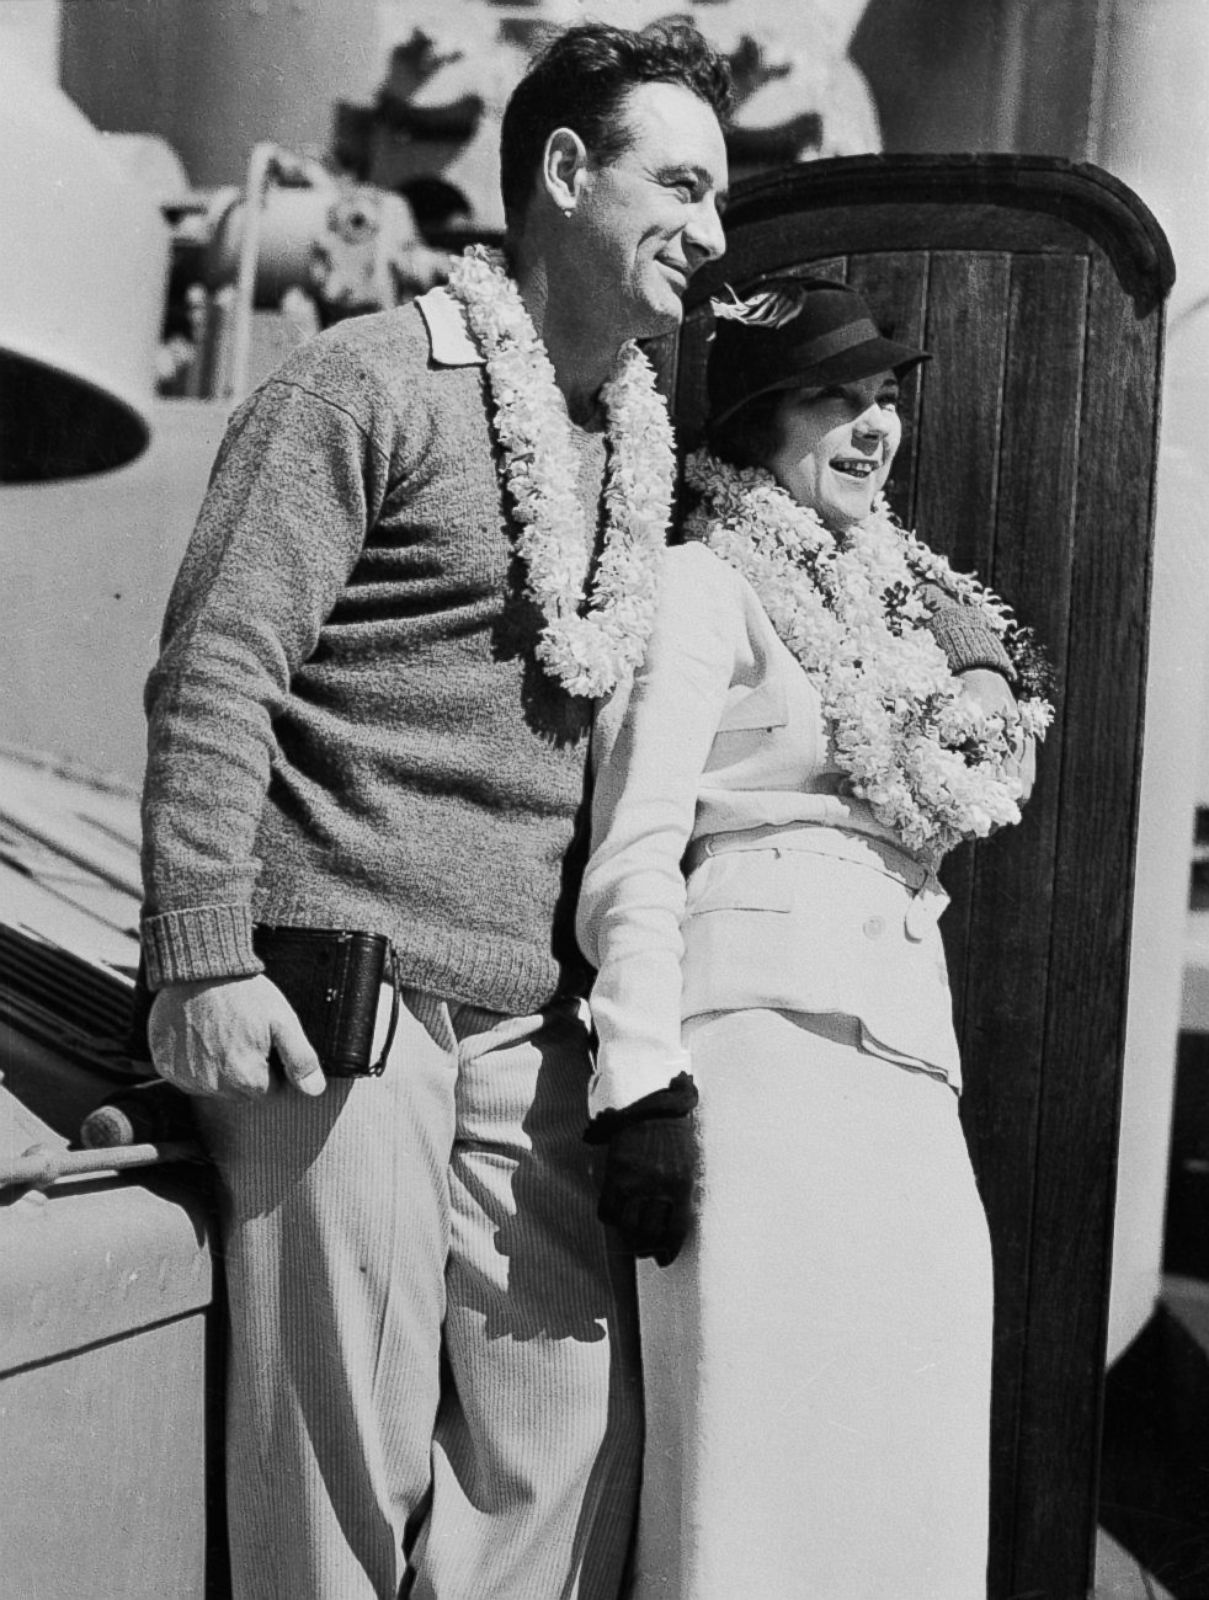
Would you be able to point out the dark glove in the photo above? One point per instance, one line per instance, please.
(647, 1189)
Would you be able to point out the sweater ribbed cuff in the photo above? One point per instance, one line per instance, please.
(203, 942)
(968, 643)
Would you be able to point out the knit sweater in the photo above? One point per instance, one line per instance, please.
(347, 724)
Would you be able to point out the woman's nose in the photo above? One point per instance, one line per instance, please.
(873, 423)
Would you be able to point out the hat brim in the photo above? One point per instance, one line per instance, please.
(864, 360)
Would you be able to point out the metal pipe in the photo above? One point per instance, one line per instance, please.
(41, 1165)
(235, 375)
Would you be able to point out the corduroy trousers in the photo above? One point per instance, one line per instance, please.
(433, 1384)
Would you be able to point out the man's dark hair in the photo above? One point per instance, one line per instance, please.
(580, 80)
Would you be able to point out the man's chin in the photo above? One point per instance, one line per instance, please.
(660, 319)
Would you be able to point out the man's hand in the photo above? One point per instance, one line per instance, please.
(214, 1038)
(992, 694)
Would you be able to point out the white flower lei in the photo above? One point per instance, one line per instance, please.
(930, 764)
(586, 652)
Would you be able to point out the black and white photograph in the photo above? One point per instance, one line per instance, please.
(604, 800)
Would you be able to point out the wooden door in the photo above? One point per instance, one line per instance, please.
(1029, 456)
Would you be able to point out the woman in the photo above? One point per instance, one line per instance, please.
(773, 795)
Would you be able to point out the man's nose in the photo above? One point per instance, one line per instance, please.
(704, 234)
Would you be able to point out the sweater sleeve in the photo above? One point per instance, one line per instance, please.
(651, 743)
(964, 635)
(295, 486)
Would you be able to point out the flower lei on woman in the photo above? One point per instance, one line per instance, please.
(931, 765)
(587, 650)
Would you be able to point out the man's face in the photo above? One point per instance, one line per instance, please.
(647, 220)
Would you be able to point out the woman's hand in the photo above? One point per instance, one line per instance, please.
(992, 694)
(650, 1164)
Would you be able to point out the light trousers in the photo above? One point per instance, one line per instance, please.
(433, 1381)
(818, 1358)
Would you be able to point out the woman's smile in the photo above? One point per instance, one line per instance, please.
(859, 467)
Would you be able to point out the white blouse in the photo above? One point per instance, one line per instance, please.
(729, 868)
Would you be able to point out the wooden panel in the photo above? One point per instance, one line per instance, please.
(962, 405)
(1010, 883)
(776, 243)
(1101, 755)
(864, 204)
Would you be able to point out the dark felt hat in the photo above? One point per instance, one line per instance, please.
(796, 333)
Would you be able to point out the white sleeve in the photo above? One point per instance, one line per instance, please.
(651, 741)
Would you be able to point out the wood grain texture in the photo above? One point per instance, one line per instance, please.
(976, 202)
(1006, 990)
(1085, 1022)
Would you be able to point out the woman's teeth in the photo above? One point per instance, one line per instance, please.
(855, 469)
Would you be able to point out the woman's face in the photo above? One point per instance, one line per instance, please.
(836, 446)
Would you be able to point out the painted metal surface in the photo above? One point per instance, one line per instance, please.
(106, 1282)
(83, 270)
(94, 1261)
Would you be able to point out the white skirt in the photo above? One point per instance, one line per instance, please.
(818, 1359)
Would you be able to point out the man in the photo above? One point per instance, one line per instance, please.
(370, 713)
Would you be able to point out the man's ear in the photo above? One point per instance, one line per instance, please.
(564, 166)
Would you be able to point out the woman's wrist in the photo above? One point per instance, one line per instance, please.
(676, 1100)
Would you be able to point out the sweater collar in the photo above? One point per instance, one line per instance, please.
(449, 336)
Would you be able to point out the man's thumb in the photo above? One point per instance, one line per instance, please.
(297, 1055)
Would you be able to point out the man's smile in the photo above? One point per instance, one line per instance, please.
(678, 270)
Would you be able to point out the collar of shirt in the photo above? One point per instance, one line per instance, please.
(450, 339)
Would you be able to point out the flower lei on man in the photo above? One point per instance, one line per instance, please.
(588, 649)
(931, 765)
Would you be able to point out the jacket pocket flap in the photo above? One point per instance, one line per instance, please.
(739, 880)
